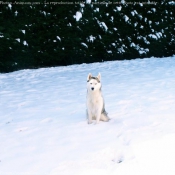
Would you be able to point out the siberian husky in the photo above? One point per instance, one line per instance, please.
(94, 100)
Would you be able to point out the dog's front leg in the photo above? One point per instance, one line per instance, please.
(98, 117)
(89, 118)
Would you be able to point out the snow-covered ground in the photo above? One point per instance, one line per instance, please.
(43, 128)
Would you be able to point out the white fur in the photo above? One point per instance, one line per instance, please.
(95, 101)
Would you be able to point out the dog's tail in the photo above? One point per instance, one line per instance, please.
(104, 116)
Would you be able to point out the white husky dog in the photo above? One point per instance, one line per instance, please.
(95, 102)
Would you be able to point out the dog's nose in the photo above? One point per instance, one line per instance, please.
(92, 88)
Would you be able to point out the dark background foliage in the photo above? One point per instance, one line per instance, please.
(44, 35)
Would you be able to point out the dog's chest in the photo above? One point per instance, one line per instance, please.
(94, 103)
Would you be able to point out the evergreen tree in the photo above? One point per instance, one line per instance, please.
(48, 34)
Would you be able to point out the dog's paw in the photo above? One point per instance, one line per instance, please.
(89, 122)
(97, 122)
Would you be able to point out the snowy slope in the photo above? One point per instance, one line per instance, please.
(43, 130)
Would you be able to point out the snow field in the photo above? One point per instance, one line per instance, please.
(43, 128)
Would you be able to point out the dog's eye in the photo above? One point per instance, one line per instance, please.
(90, 83)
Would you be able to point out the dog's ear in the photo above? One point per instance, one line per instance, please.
(89, 76)
(99, 76)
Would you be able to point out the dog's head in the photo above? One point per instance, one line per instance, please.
(93, 83)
